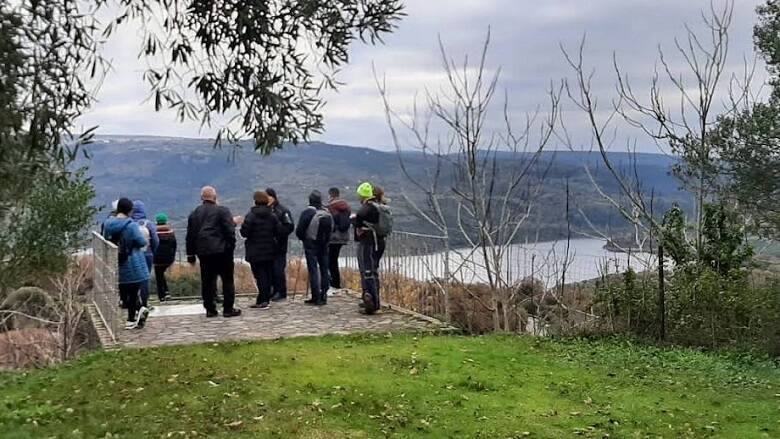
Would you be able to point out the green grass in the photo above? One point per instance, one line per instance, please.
(397, 386)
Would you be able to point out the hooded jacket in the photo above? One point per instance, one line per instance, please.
(139, 216)
(324, 227)
(134, 269)
(285, 218)
(340, 211)
(261, 229)
(166, 250)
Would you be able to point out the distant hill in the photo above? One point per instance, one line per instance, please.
(167, 174)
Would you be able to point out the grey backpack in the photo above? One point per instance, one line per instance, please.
(314, 225)
(384, 227)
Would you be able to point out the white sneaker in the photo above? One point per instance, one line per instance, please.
(140, 318)
(130, 325)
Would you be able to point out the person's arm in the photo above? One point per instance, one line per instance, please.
(303, 223)
(287, 223)
(173, 244)
(279, 230)
(153, 236)
(228, 226)
(246, 226)
(193, 228)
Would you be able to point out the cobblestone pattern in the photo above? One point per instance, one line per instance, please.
(284, 319)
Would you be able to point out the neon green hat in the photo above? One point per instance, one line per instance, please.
(365, 190)
(161, 218)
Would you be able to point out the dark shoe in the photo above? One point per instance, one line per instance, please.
(256, 305)
(362, 305)
(369, 305)
(211, 314)
(232, 313)
(264, 305)
(310, 302)
(278, 297)
(321, 302)
(165, 298)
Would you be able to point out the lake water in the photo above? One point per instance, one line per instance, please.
(546, 261)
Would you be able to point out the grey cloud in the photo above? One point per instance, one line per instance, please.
(525, 43)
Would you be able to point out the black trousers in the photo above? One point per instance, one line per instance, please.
(333, 264)
(263, 271)
(368, 256)
(213, 266)
(130, 294)
(279, 276)
(162, 283)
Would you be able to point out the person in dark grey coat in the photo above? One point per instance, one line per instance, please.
(211, 237)
(261, 228)
(315, 227)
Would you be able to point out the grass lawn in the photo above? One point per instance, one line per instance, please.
(398, 385)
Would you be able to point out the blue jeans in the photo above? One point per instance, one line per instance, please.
(145, 284)
(317, 265)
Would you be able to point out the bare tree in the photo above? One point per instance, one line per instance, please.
(490, 177)
(703, 91)
(682, 127)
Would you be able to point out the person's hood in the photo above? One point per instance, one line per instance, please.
(338, 205)
(315, 199)
(114, 224)
(139, 210)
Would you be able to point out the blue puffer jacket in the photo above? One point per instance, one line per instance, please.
(134, 268)
(139, 215)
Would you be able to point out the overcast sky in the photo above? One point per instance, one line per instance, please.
(525, 43)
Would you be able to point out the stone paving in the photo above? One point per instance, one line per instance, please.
(284, 319)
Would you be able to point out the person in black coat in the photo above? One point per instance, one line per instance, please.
(279, 282)
(165, 255)
(262, 229)
(211, 237)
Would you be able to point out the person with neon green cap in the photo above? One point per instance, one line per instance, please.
(370, 236)
(165, 255)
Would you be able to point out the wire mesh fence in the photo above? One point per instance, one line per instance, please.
(105, 290)
(417, 271)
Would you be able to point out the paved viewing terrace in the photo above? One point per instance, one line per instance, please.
(186, 323)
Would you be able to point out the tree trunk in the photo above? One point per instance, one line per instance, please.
(661, 295)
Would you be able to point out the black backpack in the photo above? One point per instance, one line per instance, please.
(118, 239)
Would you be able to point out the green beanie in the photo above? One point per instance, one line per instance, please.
(365, 190)
(161, 218)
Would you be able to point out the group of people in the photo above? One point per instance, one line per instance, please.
(324, 228)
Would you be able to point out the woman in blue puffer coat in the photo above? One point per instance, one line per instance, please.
(133, 271)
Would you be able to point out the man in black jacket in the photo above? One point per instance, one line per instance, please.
(261, 228)
(279, 276)
(314, 229)
(211, 236)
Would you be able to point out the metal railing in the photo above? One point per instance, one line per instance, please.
(105, 290)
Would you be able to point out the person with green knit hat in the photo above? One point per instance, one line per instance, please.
(370, 246)
(165, 255)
